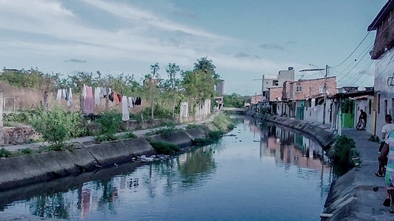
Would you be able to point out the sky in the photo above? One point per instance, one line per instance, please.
(245, 39)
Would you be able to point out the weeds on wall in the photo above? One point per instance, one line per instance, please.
(4, 153)
(165, 148)
(342, 154)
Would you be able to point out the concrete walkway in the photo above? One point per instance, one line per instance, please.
(90, 139)
(369, 190)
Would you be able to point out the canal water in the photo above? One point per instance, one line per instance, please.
(256, 172)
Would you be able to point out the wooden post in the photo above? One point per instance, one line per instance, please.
(1, 117)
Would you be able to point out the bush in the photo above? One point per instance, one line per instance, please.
(165, 148)
(223, 122)
(57, 126)
(109, 123)
(128, 136)
(342, 154)
(5, 153)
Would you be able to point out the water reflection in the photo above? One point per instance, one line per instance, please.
(130, 190)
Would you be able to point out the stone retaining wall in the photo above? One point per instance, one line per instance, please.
(323, 137)
(36, 168)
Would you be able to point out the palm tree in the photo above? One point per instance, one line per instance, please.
(205, 65)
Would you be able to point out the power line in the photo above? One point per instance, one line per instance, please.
(362, 73)
(353, 79)
(352, 51)
(354, 66)
(369, 47)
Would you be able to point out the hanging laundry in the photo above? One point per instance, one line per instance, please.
(131, 102)
(138, 101)
(59, 94)
(111, 97)
(125, 109)
(66, 97)
(97, 96)
(102, 92)
(84, 92)
(116, 98)
(88, 104)
(70, 98)
(64, 93)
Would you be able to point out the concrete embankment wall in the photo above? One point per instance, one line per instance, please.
(30, 169)
(323, 137)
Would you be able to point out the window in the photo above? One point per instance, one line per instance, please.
(298, 88)
(385, 106)
(378, 103)
(369, 106)
(275, 83)
(321, 89)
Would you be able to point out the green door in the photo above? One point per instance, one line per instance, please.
(348, 120)
(300, 111)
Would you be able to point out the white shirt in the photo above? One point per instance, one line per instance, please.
(387, 129)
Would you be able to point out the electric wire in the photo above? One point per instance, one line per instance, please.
(353, 67)
(352, 51)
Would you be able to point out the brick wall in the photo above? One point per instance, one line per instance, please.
(274, 93)
(312, 87)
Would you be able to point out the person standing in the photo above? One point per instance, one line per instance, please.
(388, 151)
(363, 118)
(386, 129)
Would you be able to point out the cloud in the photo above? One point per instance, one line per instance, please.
(272, 47)
(245, 55)
(185, 14)
(75, 60)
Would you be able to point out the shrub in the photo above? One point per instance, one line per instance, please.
(195, 126)
(27, 151)
(166, 131)
(342, 154)
(128, 135)
(165, 148)
(57, 126)
(109, 123)
(223, 122)
(5, 153)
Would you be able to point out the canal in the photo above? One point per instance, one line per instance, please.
(255, 172)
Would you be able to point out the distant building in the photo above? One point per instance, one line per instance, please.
(220, 87)
(276, 81)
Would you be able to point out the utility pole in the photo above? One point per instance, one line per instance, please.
(325, 86)
(325, 95)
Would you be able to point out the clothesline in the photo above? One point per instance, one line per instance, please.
(92, 96)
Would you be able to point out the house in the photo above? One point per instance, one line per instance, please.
(276, 81)
(306, 99)
(383, 101)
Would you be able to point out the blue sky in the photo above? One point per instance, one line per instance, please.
(245, 39)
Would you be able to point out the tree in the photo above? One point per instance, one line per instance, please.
(204, 64)
(172, 69)
(153, 84)
(198, 85)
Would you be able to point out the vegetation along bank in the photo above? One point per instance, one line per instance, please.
(62, 161)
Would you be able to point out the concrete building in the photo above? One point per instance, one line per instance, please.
(304, 99)
(276, 81)
(219, 87)
(382, 53)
